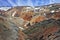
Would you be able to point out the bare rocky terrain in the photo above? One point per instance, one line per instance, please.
(28, 23)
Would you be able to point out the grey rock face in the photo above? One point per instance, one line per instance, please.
(8, 31)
